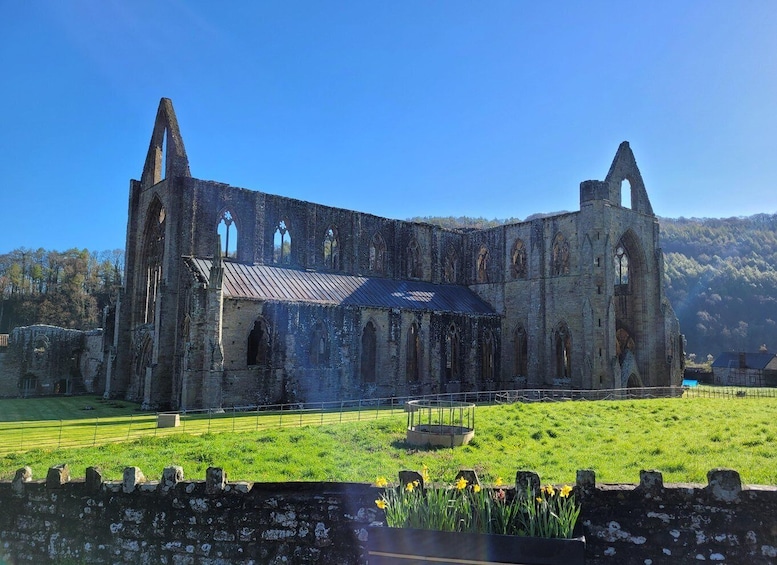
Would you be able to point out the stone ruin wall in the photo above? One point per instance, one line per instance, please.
(216, 521)
(57, 360)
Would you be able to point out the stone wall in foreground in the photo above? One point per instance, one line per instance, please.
(178, 521)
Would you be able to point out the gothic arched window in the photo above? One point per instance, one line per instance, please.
(319, 346)
(563, 350)
(369, 354)
(413, 260)
(521, 344)
(282, 244)
(331, 249)
(482, 264)
(487, 356)
(451, 358)
(377, 254)
(560, 258)
(621, 270)
(152, 261)
(413, 354)
(227, 229)
(451, 266)
(518, 260)
(258, 351)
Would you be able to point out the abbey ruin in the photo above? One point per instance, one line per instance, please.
(234, 297)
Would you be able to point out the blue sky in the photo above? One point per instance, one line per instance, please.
(397, 108)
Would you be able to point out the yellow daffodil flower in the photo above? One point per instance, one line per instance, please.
(409, 487)
(476, 488)
(380, 503)
(550, 490)
(461, 484)
(565, 491)
(425, 474)
(499, 481)
(538, 499)
(381, 482)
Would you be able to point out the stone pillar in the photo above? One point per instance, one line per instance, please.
(215, 480)
(133, 476)
(724, 484)
(524, 479)
(94, 480)
(57, 476)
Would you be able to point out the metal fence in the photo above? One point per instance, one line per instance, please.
(51, 434)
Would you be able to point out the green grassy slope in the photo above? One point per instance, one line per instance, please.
(684, 438)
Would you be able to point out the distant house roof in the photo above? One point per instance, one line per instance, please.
(277, 284)
(752, 360)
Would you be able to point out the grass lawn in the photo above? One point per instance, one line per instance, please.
(63, 408)
(684, 438)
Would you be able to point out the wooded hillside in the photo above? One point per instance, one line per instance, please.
(68, 289)
(721, 277)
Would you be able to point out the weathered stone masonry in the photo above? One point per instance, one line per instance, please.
(215, 521)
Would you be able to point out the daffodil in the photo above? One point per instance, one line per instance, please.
(461, 484)
(476, 488)
(565, 491)
(381, 482)
(539, 499)
(499, 482)
(550, 490)
(425, 474)
(410, 486)
(380, 503)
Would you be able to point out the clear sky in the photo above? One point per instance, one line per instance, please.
(397, 108)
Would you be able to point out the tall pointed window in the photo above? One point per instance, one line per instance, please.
(621, 270)
(369, 354)
(258, 345)
(487, 356)
(319, 346)
(451, 359)
(152, 261)
(563, 350)
(413, 354)
(482, 264)
(413, 260)
(451, 266)
(518, 260)
(560, 256)
(377, 255)
(521, 344)
(227, 229)
(282, 244)
(331, 249)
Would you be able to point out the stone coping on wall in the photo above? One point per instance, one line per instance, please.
(172, 520)
(722, 484)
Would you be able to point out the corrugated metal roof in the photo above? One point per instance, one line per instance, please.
(262, 282)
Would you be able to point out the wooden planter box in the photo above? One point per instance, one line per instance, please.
(400, 546)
